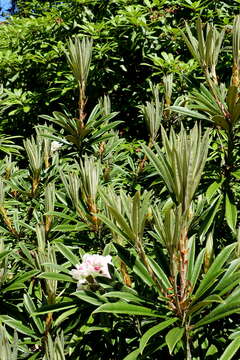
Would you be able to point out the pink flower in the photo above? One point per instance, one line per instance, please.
(92, 265)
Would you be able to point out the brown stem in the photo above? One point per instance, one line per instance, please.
(183, 264)
(35, 183)
(174, 282)
(81, 105)
(178, 269)
(126, 278)
(93, 210)
(46, 161)
(142, 162)
(48, 323)
(49, 317)
(48, 223)
(235, 75)
(8, 221)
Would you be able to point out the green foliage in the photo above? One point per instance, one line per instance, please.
(164, 206)
(126, 34)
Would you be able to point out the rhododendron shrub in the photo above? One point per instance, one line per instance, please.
(158, 193)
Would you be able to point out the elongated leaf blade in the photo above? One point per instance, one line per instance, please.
(231, 214)
(65, 250)
(17, 324)
(55, 276)
(90, 297)
(153, 331)
(160, 273)
(230, 306)
(231, 349)
(184, 111)
(127, 309)
(173, 337)
(215, 269)
(133, 355)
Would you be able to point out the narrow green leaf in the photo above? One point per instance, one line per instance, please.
(55, 268)
(53, 308)
(113, 227)
(27, 275)
(236, 112)
(211, 351)
(14, 286)
(90, 297)
(123, 295)
(154, 330)
(122, 223)
(236, 174)
(192, 44)
(31, 308)
(127, 309)
(231, 214)
(229, 278)
(231, 305)
(133, 355)
(162, 166)
(160, 273)
(65, 250)
(191, 257)
(209, 215)
(215, 269)
(66, 227)
(194, 276)
(16, 324)
(201, 41)
(3, 254)
(205, 302)
(212, 189)
(231, 349)
(65, 316)
(173, 337)
(33, 357)
(55, 276)
(62, 215)
(188, 112)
